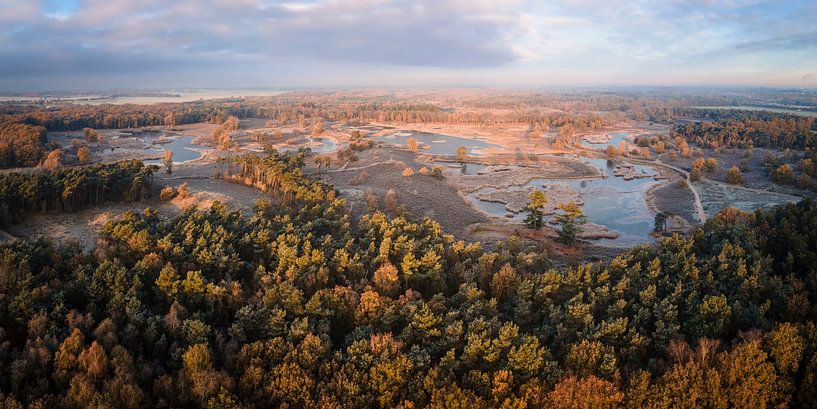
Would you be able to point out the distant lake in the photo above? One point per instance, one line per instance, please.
(172, 96)
(757, 108)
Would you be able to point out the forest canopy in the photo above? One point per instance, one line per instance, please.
(21, 145)
(295, 306)
(746, 129)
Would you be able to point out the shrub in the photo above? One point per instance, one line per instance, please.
(783, 174)
(167, 194)
(437, 171)
(733, 176)
(183, 192)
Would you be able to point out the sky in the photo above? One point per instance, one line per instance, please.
(130, 44)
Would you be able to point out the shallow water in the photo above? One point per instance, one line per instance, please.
(317, 145)
(183, 149)
(618, 137)
(438, 144)
(613, 202)
(465, 168)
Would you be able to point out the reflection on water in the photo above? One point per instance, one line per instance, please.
(182, 147)
(612, 202)
(438, 144)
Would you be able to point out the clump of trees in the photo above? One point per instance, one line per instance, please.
(747, 129)
(53, 160)
(709, 165)
(68, 189)
(21, 145)
(222, 136)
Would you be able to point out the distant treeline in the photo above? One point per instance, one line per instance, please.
(68, 189)
(535, 109)
(77, 117)
(745, 129)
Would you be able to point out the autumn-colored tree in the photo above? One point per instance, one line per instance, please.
(437, 171)
(322, 161)
(783, 175)
(733, 176)
(53, 160)
(411, 144)
(167, 159)
(711, 165)
(170, 120)
(82, 155)
(91, 135)
(386, 280)
(570, 219)
(182, 190)
(462, 154)
(585, 393)
(536, 205)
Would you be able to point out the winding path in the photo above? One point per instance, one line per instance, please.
(699, 207)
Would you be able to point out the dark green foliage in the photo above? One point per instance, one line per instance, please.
(287, 308)
(661, 221)
(67, 189)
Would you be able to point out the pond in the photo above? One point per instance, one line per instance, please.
(317, 145)
(617, 138)
(465, 168)
(438, 144)
(183, 148)
(613, 202)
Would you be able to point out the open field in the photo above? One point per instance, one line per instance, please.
(482, 199)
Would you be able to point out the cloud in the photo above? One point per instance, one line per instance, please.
(52, 39)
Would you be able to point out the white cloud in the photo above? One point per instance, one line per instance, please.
(374, 37)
